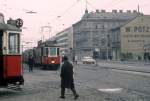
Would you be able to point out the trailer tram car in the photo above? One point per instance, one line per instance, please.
(47, 55)
(11, 72)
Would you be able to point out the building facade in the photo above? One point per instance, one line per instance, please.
(132, 40)
(91, 33)
(65, 41)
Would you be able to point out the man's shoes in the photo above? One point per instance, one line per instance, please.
(62, 97)
(76, 97)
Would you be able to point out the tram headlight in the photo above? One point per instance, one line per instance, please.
(52, 61)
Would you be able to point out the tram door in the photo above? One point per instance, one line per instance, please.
(1, 55)
(13, 57)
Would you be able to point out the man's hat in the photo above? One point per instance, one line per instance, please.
(65, 58)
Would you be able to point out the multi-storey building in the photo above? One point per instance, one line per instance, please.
(132, 40)
(90, 34)
(65, 41)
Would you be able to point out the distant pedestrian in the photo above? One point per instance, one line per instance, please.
(30, 63)
(67, 80)
(73, 59)
(76, 60)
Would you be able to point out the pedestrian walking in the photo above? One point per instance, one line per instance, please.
(76, 60)
(30, 63)
(67, 80)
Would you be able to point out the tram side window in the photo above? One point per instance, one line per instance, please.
(14, 43)
(57, 51)
(45, 51)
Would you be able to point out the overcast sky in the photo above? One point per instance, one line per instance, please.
(59, 14)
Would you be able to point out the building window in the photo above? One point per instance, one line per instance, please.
(128, 29)
(147, 29)
(139, 29)
(135, 29)
(96, 27)
(144, 29)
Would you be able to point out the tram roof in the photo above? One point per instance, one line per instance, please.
(4, 26)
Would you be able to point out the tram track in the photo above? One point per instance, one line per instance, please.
(127, 94)
(129, 70)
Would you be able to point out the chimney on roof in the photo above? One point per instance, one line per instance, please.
(120, 11)
(97, 11)
(103, 11)
(128, 11)
(134, 11)
(114, 11)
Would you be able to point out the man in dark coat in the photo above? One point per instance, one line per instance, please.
(67, 80)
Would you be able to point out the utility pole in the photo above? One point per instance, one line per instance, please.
(107, 45)
(138, 8)
(86, 4)
(42, 30)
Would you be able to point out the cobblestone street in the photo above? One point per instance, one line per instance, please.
(45, 86)
(93, 83)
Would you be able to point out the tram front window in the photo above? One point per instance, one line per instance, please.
(14, 43)
(53, 52)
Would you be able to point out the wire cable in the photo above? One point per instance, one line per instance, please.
(68, 9)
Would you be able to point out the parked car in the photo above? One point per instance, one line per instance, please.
(88, 60)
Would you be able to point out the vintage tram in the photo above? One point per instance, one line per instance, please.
(11, 72)
(45, 55)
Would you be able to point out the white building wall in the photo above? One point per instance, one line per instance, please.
(65, 40)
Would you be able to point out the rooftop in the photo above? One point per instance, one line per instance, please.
(110, 15)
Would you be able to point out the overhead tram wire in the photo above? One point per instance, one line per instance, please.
(109, 3)
(67, 10)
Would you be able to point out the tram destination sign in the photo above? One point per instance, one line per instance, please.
(19, 22)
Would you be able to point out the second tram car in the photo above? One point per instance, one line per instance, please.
(46, 55)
